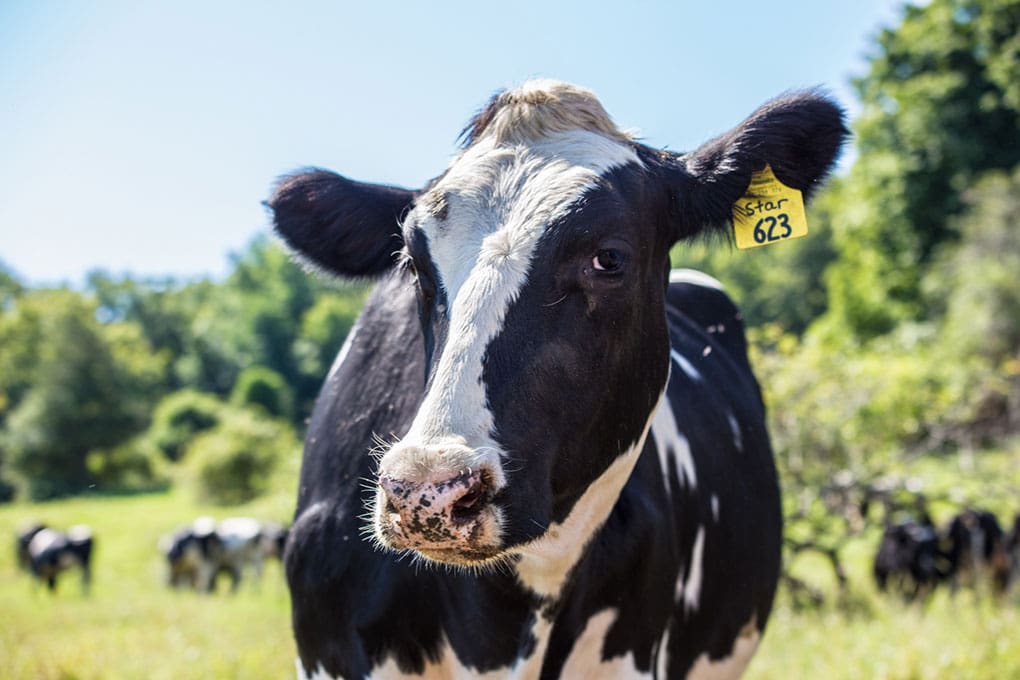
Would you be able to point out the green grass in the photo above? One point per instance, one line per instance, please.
(943, 639)
(133, 626)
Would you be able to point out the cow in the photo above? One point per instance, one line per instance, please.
(198, 553)
(47, 552)
(246, 545)
(975, 545)
(192, 553)
(538, 452)
(908, 560)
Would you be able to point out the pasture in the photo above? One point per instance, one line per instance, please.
(132, 626)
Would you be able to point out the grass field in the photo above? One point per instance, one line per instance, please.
(132, 626)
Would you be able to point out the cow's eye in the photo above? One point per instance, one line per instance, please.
(607, 260)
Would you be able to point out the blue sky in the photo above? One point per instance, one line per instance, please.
(142, 137)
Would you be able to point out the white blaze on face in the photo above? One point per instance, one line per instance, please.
(498, 203)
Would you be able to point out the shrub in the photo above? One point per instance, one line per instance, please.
(181, 416)
(136, 465)
(235, 461)
(263, 388)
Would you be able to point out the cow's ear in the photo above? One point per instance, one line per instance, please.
(345, 227)
(799, 135)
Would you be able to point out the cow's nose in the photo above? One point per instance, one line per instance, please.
(436, 513)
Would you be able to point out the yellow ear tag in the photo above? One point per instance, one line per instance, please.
(768, 212)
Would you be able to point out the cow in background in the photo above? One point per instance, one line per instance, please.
(191, 554)
(908, 560)
(46, 553)
(975, 546)
(199, 553)
(246, 544)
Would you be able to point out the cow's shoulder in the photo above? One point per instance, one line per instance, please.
(703, 301)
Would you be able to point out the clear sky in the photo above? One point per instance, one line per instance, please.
(142, 136)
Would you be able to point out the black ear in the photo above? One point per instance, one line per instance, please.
(346, 227)
(799, 135)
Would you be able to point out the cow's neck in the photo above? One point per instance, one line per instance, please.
(546, 564)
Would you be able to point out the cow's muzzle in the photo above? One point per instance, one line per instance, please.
(445, 515)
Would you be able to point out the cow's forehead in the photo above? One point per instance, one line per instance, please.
(497, 200)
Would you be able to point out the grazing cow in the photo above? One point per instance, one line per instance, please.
(47, 552)
(498, 392)
(908, 560)
(246, 544)
(192, 553)
(976, 550)
(198, 553)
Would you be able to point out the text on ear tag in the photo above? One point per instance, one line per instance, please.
(768, 212)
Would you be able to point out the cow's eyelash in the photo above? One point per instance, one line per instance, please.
(404, 260)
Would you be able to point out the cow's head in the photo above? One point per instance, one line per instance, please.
(540, 259)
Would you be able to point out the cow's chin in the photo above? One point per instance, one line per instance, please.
(462, 558)
(474, 544)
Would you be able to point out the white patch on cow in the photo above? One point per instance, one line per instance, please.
(43, 540)
(685, 365)
(318, 674)
(203, 526)
(662, 655)
(546, 562)
(732, 666)
(342, 355)
(715, 507)
(78, 533)
(738, 438)
(692, 588)
(668, 438)
(693, 276)
(449, 667)
(585, 660)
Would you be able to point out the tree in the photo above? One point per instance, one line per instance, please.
(940, 106)
(90, 388)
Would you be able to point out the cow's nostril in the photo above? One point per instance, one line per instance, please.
(468, 506)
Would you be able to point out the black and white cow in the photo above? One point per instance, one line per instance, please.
(46, 552)
(192, 554)
(908, 560)
(498, 392)
(198, 553)
(977, 552)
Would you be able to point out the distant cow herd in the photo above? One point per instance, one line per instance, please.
(972, 550)
(914, 556)
(196, 555)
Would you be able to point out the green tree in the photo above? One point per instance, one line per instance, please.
(90, 388)
(939, 108)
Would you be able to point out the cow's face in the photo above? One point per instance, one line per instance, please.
(540, 261)
(540, 272)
